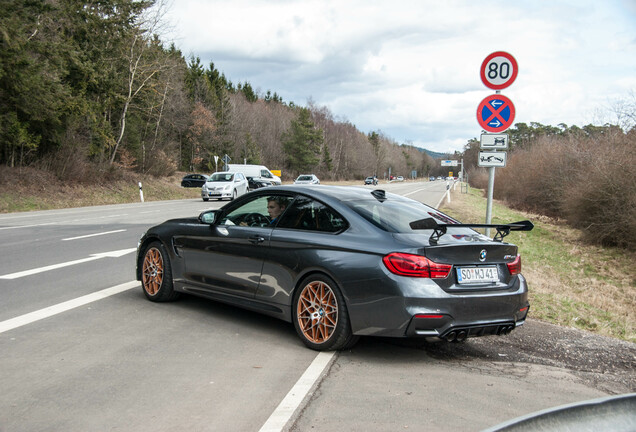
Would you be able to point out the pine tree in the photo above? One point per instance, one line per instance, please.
(302, 143)
(326, 159)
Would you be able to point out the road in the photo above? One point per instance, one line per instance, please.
(81, 349)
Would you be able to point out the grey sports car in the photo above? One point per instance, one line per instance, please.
(342, 262)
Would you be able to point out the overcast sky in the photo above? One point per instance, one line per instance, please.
(411, 68)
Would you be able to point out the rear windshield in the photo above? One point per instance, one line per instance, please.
(304, 178)
(396, 215)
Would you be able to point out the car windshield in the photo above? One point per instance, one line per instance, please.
(305, 177)
(221, 177)
(395, 216)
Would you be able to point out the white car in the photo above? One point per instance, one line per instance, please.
(307, 179)
(225, 184)
(400, 178)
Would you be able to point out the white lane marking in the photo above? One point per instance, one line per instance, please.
(93, 257)
(439, 203)
(31, 317)
(414, 192)
(93, 235)
(281, 415)
(27, 226)
(63, 222)
(88, 210)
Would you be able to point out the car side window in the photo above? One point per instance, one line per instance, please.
(251, 213)
(310, 215)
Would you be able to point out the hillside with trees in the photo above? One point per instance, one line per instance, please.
(89, 87)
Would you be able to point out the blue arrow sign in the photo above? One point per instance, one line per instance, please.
(495, 113)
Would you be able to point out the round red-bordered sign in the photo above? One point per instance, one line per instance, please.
(499, 70)
(495, 113)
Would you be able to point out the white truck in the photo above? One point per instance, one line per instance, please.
(256, 171)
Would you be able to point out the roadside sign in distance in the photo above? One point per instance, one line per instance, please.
(492, 159)
(499, 70)
(449, 163)
(495, 113)
(494, 141)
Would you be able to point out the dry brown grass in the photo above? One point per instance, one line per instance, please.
(28, 189)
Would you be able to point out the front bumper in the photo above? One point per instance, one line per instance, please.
(216, 194)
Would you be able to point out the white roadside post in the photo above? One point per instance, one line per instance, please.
(141, 193)
(448, 163)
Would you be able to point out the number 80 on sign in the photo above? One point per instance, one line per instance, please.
(499, 70)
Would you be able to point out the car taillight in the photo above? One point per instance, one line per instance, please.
(515, 266)
(415, 266)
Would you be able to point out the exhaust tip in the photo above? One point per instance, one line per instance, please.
(461, 336)
(504, 330)
(451, 337)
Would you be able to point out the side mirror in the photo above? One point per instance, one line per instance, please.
(208, 217)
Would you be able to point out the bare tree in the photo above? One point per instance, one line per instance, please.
(143, 64)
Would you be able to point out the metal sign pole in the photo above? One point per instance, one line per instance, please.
(491, 187)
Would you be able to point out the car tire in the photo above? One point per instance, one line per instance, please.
(205, 199)
(156, 274)
(234, 194)
(186, 184)
(320, 315)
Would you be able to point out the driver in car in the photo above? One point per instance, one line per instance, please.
(275, 207)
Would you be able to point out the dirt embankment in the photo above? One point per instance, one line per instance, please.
(606, 363)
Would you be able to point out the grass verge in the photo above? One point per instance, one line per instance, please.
(49, 193)
(571, 283)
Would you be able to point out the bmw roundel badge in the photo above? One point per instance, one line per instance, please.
(482, 255)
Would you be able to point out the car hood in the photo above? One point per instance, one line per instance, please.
(217, 184)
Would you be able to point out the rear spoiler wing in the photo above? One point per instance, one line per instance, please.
(440, 229)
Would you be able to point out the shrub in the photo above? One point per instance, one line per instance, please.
(588, 180)
(602, 200)
(160, 164)
(535, 179)
(478, 177)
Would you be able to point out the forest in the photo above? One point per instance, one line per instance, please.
(89, 87)
(88, 90)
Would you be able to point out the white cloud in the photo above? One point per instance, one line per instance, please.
(411, 68)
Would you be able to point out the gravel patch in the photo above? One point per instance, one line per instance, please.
(605, 363)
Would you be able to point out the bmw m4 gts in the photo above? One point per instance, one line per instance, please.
(340, 263)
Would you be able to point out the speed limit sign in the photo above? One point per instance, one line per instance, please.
(499, 70)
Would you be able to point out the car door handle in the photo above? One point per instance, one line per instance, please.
(256, 239)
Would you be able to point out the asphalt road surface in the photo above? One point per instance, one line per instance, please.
(82, 349)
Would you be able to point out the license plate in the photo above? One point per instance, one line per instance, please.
(475, 275)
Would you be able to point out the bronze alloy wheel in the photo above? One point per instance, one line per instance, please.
(153, 271)
(317, 312)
